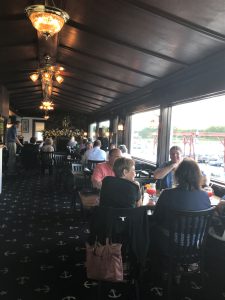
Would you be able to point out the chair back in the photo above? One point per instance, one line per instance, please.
(187, 234)
(77, 168)
(92, 163)
(47, 158)
(122, 225)
(60, 160)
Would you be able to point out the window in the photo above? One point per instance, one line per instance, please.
(199, 129)
(104, 128)
(38, 128)
(144, 135)
(92, 131)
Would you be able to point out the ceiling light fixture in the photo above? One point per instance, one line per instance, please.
(47, 73)
(46, 105)
(48, 20)
(46, 116)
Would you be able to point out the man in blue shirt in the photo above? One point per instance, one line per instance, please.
(165, 172)
(12, 140)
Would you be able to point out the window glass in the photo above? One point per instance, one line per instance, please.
(39, 127)
(92, 131)
(144, 135)
(199, 129)
(104, 128)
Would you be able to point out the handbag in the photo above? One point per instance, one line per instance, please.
(104, 262)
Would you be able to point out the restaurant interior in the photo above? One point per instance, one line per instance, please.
(97, 60)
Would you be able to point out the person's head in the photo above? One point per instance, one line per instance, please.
(188, 175)
(124, 168)
(113, 155)
(49, 141)
(112, 146)
(175, 154)
(123, 148)
(97, 143)
(89, 145)
(33, 140)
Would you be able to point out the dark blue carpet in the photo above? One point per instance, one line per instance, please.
(42, 254)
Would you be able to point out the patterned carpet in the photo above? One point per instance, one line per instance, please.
(42, 254)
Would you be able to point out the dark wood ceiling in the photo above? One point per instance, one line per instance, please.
(111, 49)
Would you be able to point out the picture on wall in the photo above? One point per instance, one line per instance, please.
(25, 125)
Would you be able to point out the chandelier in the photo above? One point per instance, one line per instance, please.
(47, 74)
(46, 116)
(46, 105)
(48, 20)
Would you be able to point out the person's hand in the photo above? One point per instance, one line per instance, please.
(220, 206)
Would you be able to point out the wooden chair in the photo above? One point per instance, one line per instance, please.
(47, 162)
(187, 235)
(78, 176)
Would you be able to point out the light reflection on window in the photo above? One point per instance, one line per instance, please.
(144, 135)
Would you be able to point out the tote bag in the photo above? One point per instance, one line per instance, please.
(104, 262)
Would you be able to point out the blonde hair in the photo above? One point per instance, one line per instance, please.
(48, 141)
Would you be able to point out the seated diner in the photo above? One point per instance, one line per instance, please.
(187, 196)
(121, 191)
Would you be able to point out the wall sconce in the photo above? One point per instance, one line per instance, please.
(120, 127)
(85, 133)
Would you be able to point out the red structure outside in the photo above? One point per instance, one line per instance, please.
(190, 137)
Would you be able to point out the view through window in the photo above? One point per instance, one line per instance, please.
(144, 135)
(92, 131)
(199, 129)
(105, 128)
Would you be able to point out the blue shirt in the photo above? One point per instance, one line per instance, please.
(167, 181)
(179, 199)
(11, 134)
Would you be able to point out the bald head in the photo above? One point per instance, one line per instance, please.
(113, 155)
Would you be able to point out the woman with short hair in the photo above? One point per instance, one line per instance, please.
(121, 191)
(187, 196)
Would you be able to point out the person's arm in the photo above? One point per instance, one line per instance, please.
(97, 177)
(139, 196)
(18, 142)
(161, 172)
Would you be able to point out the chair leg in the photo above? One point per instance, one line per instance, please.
(99, 295)
(169, 282)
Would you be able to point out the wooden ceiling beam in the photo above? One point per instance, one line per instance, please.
(76, 100)
(111, 38)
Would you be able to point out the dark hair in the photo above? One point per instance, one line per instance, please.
(188, 175)
(121, 164)
(33, 140)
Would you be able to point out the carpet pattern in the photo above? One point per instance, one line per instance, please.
(42, 238)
